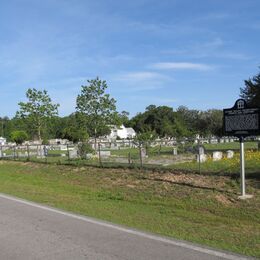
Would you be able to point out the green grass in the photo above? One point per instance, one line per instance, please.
(224, 166)
(230, 146)
(156, 151)
(201, 209)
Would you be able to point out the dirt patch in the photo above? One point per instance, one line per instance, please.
(223, 200)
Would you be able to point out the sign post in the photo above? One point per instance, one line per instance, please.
(242, 167)
(242, 121)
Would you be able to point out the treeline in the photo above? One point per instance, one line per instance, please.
(96, 111)
(163, 121)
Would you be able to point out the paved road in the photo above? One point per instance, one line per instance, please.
(32, 231)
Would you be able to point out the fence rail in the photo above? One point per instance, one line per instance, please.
(183, 154)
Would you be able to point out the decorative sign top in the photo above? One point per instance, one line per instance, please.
(241, 121)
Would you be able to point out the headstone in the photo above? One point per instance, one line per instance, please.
(143, 152)
(89, 156)
(73, 154)
(217, 156)
(45, 150)
(105, 154)
(201, 158)
(1, 155)
(230, 154)
(175, 152)
(63, 155)
(40, 152)
(63, 147)
(201, 150)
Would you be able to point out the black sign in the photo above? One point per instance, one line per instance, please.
(241, 120)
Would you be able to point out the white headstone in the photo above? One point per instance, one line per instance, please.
(89, 156)
(143, 152)
(230, 154)
(40, 152)
(175, 152)
(201, 158)
(105, 153)
(217, 156)
(201, 150)
(73, 154)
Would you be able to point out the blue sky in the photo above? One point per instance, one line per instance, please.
(176, 52)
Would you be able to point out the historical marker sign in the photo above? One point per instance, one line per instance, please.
(241, 120)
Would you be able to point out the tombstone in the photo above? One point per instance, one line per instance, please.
(63, 147)
(222, 140)
(45, 150)
(175, 152)
(230, 154)
(217, 156)
(63, 155)
(143, 153)
(105, 154)
(73, 154)
(201, 158)
(1, 154)
(89, 156)
(201, 150)
(40, 152)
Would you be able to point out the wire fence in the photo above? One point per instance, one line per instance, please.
(195, 155)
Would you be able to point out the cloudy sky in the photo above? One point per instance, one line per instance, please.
(162, 52)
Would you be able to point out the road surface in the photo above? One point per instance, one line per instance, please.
(33, 231)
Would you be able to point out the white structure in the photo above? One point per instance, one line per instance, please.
(217, 156)
(2, 141)
(58, 141)
(122, 132)
(230, 154)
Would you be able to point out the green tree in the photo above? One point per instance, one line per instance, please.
(124, 118)
(162, 120)
(3, 124)
(145, 138)
(19, 136)
(251, 91)
(37, 110)
(75, 134)
(97, 106)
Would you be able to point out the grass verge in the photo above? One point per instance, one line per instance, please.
(197, 208)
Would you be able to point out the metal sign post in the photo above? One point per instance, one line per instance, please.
(242, 121)
(242, 167)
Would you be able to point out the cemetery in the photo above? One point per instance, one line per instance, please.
(162, 154)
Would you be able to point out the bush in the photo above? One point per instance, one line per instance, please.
(83, 149)
(19, 136)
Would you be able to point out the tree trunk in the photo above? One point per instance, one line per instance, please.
(39, 132)
(95, 137)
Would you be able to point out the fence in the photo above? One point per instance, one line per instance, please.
(196, 155)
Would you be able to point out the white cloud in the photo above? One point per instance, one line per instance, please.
(139, 76)
(180, 65)
(139, 81)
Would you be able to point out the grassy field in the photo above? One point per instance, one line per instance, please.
(224, 166)
(198, 208)
(230, 146)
